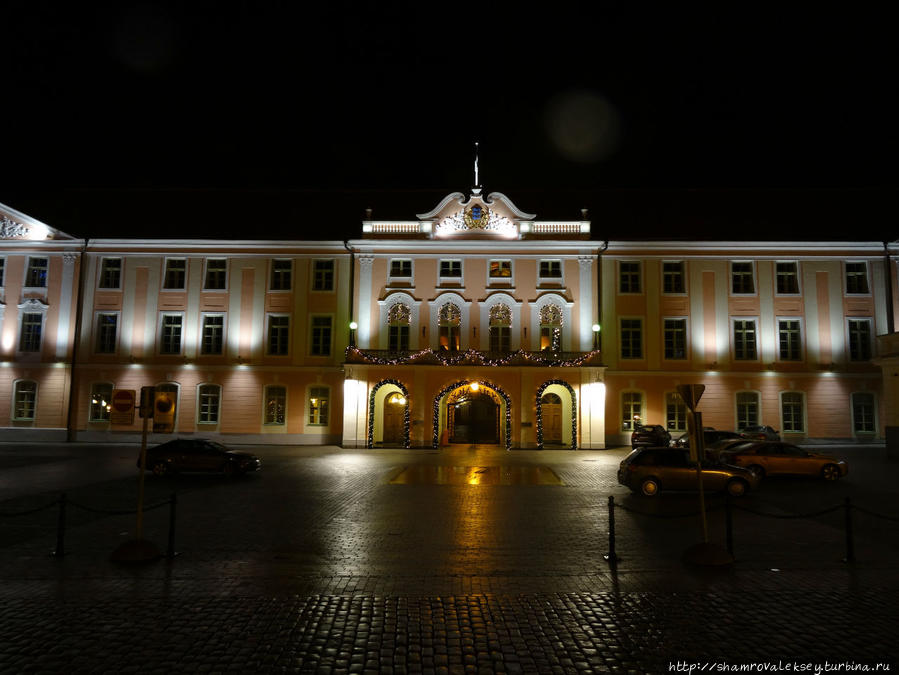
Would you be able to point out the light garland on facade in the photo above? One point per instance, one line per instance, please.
(463, 383)
(371, 412)
(470, 357)
(570, 389)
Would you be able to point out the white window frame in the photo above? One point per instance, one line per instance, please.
(165, 274)
(686, 332)
(678, 401)
(777, 351)
(406, 279)
(40, 311)
(730, 279)
(268, 333)
(102, 273)
(455, 280)
(856, 294)
(218, 412)
(683, 276)
(307, 421)
(504, 282)
(556, 280)
(628, 425)
(870, 343)
(758, 406)
(733, 339)
(855, 432)
(618, 278)
(28, 260)
(804, 400)
(115, 347)
(224, 288)
(265, 389)
(798, 268)
(15, 401)
(202, 336)
(161, 328)
(271, 275)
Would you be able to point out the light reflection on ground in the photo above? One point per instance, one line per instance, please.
(476, 475)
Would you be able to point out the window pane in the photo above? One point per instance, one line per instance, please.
(741, 278)
(2, 270)
(792, 412)
(278, 335)
(747, 409)
(859, 340)
(318, 405)
(675, 338)
(673, 277)
(401, 268)
(551, 269)
(629, 277)
(175, 274)
(213, 334)
(856, 277)
(106, 333)
(171, 334)
(36, 276)
(631, 339)
(25, 400)
(111, 273)
(101, 402)
(216, 274)
(500, 268)
(30, 339)
(323, 275)
(631, 409)
(275, 404)
(788, 333)
(744, 340)
(451, 268)
(787, 278)
(210, 395)
(675, 412)
(321, 336)
(863, 413)
(281, 275)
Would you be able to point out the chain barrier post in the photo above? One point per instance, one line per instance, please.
(61, 528)
(611, 557)
(728, 524)
(170, 553)
(850, 544)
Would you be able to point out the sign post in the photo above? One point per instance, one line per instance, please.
(122, 411)
(691, 393)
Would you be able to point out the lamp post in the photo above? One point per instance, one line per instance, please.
(353, 327)
(595, 337)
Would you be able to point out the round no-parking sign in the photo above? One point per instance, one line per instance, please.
(122, 411)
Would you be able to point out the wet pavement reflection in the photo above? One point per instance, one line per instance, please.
(476, 475)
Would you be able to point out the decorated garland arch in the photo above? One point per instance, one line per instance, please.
(461, 383)
(371, 412)
(570, 389)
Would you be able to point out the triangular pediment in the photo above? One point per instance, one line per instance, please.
(15, 225)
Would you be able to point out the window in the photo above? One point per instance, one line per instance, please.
(321, 336)
(449, 327)
(111, 273)
(275, 404)
(550, 269)
(30, 338)
(863, 419)
(323, 275)
(500, 330)
(282, 270)
(632, 338)
(500, 269)
(450, 269)
(36, 275)
(213, 334)
(675, 338)
(170, 342)
(216, 274)
(631, 409)
(175, 273)
(210, 396)
(278, 335)
(745, 340)
(859, 339)
(551, 327)
(2, 270)
(673, 277)
(107, 326)
(101, 402)
(24, 400)
(787, 278)
(401, 269)
(742, 278)
(747, 409)
(628, 277)
(675, 412)
(318, 405)
(399, 317)
(792, 407)
(789, 339)
(857, 277)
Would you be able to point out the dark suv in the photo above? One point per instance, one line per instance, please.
(650, 435)
(648, 470)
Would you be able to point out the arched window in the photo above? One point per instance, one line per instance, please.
(500, 328)
(209, 399)
(398, 319)
(551, 327)
(450, 325)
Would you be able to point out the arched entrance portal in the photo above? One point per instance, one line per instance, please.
(388, 415)
(472, 412)
(556, 415)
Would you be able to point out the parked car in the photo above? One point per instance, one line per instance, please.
(760, 432)
(774, 458)
(190, 454)
(709, 436)
(714, 450)
(649, 470)
(646, 435)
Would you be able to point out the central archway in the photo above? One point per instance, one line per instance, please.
(480, 413)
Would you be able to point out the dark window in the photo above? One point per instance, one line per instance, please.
(321, 336)
(451, 269)
(25, 400)
(859, 340)
(787, 278)
(863, 413)
(789, 340)
(401, 268)
(216, 274)
(742, 278)
(36, 276)
(101, 402)
(631, 338)
(673, 277)
(747, 409)
(30, 339)
(2, 270)
(210, 398)
(745, 340)
(175, 274)
(278, 335)
(792, 412)
(323, 275)
(318, 405)
(675, 338)
(675, 412)
(551, 269)
(275, 404)
(857, 277)
(107, 326)
(111, 273)
(628, 277)
(213, 334)
(282, 271)
(171, 334)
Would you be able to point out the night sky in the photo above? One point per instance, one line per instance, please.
(285, 120)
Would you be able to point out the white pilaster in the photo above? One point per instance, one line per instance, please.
(585, 300)
(65, 304)
(363, 338)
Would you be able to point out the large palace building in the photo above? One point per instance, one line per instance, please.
(473, 323)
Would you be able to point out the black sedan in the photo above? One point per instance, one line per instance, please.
(188, 454)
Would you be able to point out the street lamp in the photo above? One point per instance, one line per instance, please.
(595, 336)
(353, 327)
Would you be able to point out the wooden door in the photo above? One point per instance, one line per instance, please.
(394, 428)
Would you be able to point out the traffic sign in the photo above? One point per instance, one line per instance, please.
(691, 393)
(122, 408)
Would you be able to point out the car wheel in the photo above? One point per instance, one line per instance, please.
(737, 487)
(757, 470)
(650, 487)
(831, 472)
(160, 468)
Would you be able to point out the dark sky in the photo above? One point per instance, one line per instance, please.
(265, 119)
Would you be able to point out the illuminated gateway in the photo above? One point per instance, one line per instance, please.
(474, 323)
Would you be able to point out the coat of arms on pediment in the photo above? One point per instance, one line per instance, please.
(15, 225)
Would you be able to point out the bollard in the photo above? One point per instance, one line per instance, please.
(170, 553)
(850, 545)
(611, 556)
(728, 525)
(61, 528)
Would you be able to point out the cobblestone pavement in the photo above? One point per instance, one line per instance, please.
(320, 564)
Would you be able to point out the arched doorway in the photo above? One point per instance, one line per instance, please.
(556, 414)
(394, 415)
(388, 414)
(551, 406)
(472, 412)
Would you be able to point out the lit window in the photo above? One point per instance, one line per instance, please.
(170, 341)
(30, 338)
(111, 273)
(213, 334)
(745, 340)
(323, 275)
(742, 278)
(789, 340)
(628, 277)
(210, 397)
(318, 405)
(107, 326)
(673, 277)
(551, 327)
(859, 339)
(101, 401)
(500, 269)
(175, 274)
(24, 400)
(787, 278)
(278, 335)
(857, 277)
(631, 338)
(282, 271)
(550, 269)
(36, 275)
(321, 336)
(863, 418)
(675, 412)
(398, 319)
(216, 274)
(500, 329)
(449, 321)
(675, 338)
(275, 404)
(793, 417)
(631, 409)
(747, 409)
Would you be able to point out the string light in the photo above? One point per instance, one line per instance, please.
(470, 357)
(461, 383)
(371, 412)
(540, 391)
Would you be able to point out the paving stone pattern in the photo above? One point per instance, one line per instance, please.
(319, 565)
